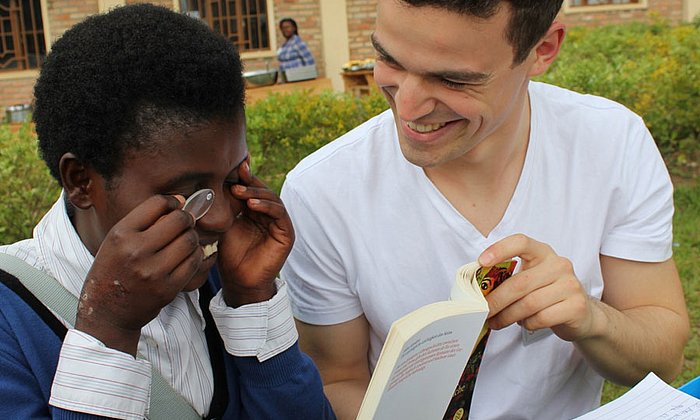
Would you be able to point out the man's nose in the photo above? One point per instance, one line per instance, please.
(414, 98)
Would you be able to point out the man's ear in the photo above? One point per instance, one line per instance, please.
(548, 49)
(77, 180)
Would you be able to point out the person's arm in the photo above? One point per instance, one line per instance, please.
(286, 386)
(304, 53)
(640, 325)
(340, 353)
(251, 254)
(275, 378)
(28, 354)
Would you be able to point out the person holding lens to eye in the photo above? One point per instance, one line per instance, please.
(166, 240)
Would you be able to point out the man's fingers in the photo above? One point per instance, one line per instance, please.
(518, 245)
(524, 299)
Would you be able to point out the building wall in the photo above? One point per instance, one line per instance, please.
(671, 10)
(16, 91)
(164, 3)
(16, 88)
(361, 15)
(62, 14)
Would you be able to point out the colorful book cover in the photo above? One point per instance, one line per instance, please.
(488, 278)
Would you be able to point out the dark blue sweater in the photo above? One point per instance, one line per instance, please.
(286, 386)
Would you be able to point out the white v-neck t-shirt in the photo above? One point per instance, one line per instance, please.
(375, 237)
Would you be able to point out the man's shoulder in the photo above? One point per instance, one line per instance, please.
(562, 100)
(353, 150)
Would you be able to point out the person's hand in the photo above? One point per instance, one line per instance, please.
(254, 249)
(143, 262)
(545, 293)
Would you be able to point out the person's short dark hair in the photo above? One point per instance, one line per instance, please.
(530, 19)
(115, 80)
(293, 22)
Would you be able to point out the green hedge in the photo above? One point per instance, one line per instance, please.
(654, 69)
(27, 188)
(282, 129)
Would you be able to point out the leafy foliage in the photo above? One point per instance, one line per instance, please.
(654, 69)
(27, 188)
(284, 128)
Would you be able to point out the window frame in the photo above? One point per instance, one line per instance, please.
(6, 74)
(272, 33)
(569, 9)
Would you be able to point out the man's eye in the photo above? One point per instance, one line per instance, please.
(452, 84)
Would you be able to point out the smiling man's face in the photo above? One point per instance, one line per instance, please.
(449, 79)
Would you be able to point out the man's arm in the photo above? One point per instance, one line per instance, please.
(340, 353)
(641, 324)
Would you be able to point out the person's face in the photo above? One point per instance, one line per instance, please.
(287, 29)
(449, 79)
(180, 163)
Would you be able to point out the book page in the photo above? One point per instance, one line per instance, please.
(651, 398)
(426, 372)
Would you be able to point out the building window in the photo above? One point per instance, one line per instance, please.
(22, 44)
(571, 6)
(577, 3)
(243, 22)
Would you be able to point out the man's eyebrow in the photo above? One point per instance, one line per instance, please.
(464, 76)
(381, 51)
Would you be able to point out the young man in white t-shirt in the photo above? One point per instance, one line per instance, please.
(474, 161)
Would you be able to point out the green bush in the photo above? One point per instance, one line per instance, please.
(27, 188)
(284, 128)
(654, 69)
(281, 130)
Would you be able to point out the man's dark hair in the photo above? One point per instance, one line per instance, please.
(293, 22)
(115, 80)
(529, 21)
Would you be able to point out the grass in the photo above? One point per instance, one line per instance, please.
(686, 252)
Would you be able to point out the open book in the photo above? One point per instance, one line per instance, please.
(425, 370)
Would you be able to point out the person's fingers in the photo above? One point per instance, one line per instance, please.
(181, 274)
(245, 192)
(551, 271)
(147, 213)
(518, 245)
(527, 306)
(168, 228)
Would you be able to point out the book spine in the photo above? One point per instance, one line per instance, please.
(488, 279)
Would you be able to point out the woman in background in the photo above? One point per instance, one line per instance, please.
(294, 52)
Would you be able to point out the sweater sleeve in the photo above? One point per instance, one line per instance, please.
(287, 386)
(28, 356)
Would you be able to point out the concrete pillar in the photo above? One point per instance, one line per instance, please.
(107, 5)
(334, 29)
(691, 8)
